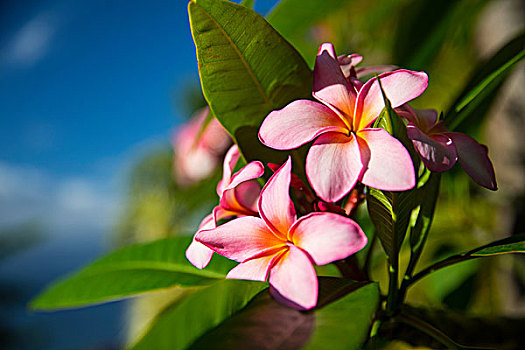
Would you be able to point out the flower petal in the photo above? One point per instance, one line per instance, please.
(474, 159)
(348, 62)
(197, 253)
(361, 72)
(327, 236)
(389, 164)
(400, 86)
(437, 151)
(251, 171)
(240, 239)
(230, 159)
(330, 85)
(247, 195)
(241, 200)
(275, 206)
(254, 269)
(333, 165)
(294, 278)
(298, 123)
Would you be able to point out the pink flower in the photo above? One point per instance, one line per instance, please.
(279, 247)
(348, 65)
(195, 159)
(346, 149)
(440, 149)
(238, 197)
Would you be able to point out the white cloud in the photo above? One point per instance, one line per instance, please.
(32, 42)
(61, 206)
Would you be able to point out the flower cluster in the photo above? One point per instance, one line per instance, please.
(197, 150)
(266, 236)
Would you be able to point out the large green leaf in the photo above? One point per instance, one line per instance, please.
(130, 271)
(265, 324)
(247, 70)
(424, 26)
(513, 244)
(485, 82)
(292, 18)
(181, 323)
(390, 213)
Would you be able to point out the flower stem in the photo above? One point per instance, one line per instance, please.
(392, 297)
(430, 330)
(368, 257)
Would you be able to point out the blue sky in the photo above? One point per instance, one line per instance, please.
(82, 82)
(85, 86)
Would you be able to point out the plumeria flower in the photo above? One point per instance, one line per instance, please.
(348, 65)
(197, 156)
(238, 197)
(440, 149)
(346, 149)
(281, 248)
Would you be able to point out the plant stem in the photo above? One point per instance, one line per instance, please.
(439, 265)
(392, 299)
(368, 257)
(430, 330)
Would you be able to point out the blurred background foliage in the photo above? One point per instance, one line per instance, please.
(448, 40)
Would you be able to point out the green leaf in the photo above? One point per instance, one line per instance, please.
(292, 18)
(130, 271)
(247, 70)
(181, 323)
(265, 324)
(426, 25)
(485, 82)
(248, 3)
(390, 213)
(510, 245)
(514, 244)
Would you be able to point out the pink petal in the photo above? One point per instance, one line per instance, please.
(389, 166)
(294, 278)
(230, 159)
(330, 84)
(251, 171)
(474, 159)
(361, 72)
(231, 205)
(275, 206)
(347, 62)
(220, 213)
(197, 253)
(400, 86)
(327, 236)
(254, 269)
(247, 195)
(427, 118)
(333, 165)
(240, 199)
(240, 239)
(298, 123)
(215, 138)
(437, 151)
